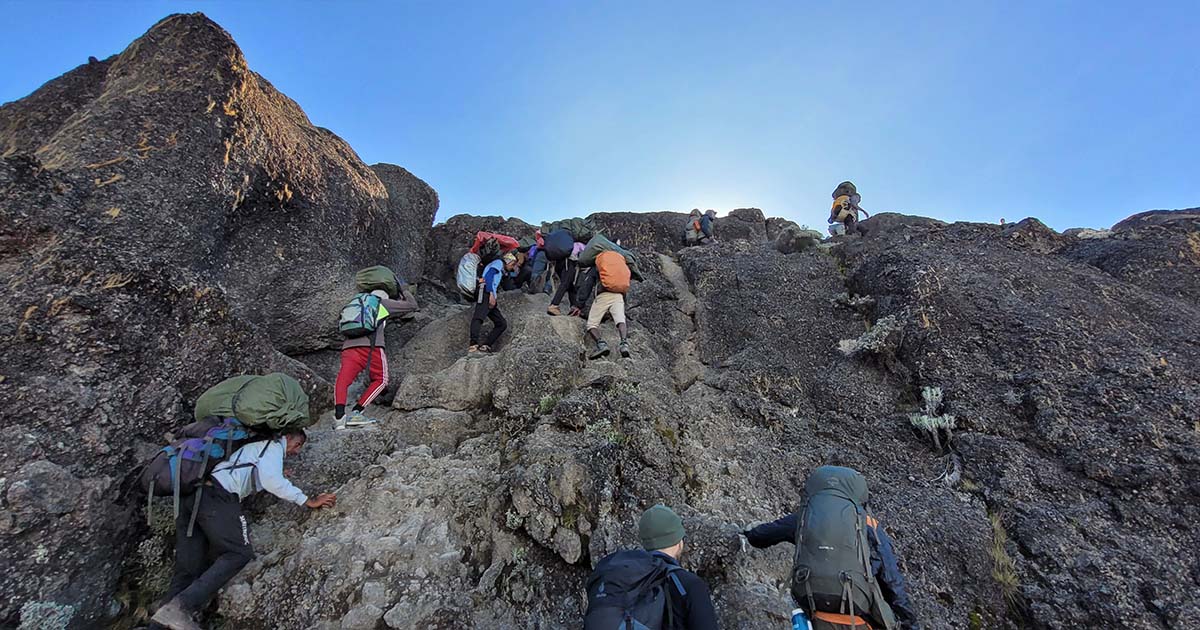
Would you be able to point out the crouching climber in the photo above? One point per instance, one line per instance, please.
(845, 573)
(647, 588)
(845, 208)
(610, 279)
(699, 228)
(224, 534)
(363, 321)
(486, 306)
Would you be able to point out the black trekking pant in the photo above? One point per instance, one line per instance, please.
(485, 310)
(567, 272)
(221, 533)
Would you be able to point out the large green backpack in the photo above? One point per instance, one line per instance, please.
(845, 188)
(832, 569)
(272, 401)
(377, 278)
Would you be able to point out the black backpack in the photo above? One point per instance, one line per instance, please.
(629, 590)
(832, 571)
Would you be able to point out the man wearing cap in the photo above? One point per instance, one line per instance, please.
(661, 533)
(486, 306)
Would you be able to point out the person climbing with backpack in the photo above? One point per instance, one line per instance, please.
(610, 278)
(381, 296)
(568, 280)
(691, 229)
(845, 208)
(224, 534)
(846, 573)
(486, 306)
(647, 588)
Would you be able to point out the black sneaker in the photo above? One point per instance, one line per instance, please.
(624, 349)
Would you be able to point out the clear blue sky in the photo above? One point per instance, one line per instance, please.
(1079, 113)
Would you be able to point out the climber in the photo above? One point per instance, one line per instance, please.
(686, 603)
(706, 226)
(538, 279)
(367, 352)
(610, 278)
(845, 207)
(486, 306)
(516, 277)
(691, 229)
(835, 507)
(226, 535)
(568, 279)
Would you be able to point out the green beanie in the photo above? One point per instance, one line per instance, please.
(660, 528)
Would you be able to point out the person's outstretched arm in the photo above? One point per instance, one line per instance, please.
(270, 476)
(406, 303)
(773, 533)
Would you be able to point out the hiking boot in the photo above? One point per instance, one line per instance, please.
(600, 351)
(173, 616)
(474, 349)
(624, 347)
(553, 310)
(357, 419)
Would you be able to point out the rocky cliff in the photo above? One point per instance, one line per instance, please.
(1023, 402)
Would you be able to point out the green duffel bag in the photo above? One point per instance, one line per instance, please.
(272, 401)
(599, 244)
(377, 278)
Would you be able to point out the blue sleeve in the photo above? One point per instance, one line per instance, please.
(533, 252)
(769, 534)
(887, 571)
(491, 279)
(706, 225)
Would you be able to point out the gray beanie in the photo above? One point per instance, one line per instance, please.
(659, 528)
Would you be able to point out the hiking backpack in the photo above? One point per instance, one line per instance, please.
(180, 468)
(832, 568)
(377, 278)
(362, 316)
(631, 590)
(614, 273)
(468, 274)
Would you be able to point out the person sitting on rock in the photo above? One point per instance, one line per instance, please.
(691, 229)
(224, 533)
(834, 516)
(667, 595)
(706, 227)
(610, 279)
(845, 208)
(568, 279)
(357, 353)
(486, 305)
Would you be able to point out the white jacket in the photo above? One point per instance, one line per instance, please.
(263, 472)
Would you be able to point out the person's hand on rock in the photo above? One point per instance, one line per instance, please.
(323, 500)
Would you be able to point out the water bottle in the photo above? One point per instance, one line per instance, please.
(800, 620)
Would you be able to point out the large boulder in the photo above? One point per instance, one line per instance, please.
(413, 204)
(446, 243)
(169, 219)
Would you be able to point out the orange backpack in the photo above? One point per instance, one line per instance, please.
(614, 273)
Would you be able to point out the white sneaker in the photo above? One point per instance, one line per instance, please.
(357, 419)
(339, 423)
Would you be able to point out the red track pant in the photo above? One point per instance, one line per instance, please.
(353, 362)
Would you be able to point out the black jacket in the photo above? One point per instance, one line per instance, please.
(883, 561)
(692, 609)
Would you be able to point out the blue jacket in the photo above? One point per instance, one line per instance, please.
(883, 560)
(492, 274)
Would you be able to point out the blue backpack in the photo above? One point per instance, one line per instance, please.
(179, 469)
(361, 316)
(632, 590)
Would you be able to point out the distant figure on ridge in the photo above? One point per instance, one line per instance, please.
(646, 588)
(699, 228)
(208, 559)
(844, 561)
(363, 321)
(845, 208)
(486, 306)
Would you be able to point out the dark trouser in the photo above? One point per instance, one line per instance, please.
(222, 530)
(540, 282)
(499, 325)
(566, 270)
